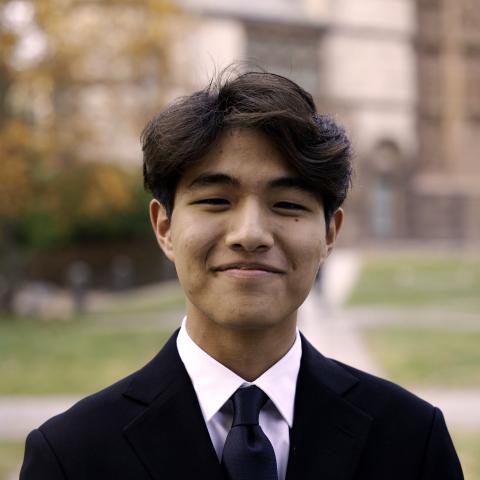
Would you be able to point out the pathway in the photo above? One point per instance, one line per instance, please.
(338, 337)
(20, 414)
(322, 320)
(336, 333)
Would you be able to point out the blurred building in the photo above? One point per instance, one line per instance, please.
(402, 75)
(446, 190)
(357, 57)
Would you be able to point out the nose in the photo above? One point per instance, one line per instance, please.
(249, 228)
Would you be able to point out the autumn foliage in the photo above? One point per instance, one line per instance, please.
(77, 82)
(63, 175)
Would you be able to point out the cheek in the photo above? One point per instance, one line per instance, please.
(192, 245)
(310, 261)
(308, 249)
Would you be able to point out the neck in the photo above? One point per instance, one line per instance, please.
(248, 352)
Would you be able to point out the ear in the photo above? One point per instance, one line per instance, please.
(333, 228)
(162, 227)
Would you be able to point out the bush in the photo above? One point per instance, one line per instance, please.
(85, 202)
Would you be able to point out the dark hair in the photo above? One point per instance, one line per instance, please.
(314, 145)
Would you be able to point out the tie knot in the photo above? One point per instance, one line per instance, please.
(247, 403)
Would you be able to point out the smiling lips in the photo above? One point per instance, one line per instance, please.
(248, 270)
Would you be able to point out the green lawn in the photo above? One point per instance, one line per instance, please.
(468, 449)
(11, 455)
(427, 356)
(161, 298)
(70, 357)
(400, 279)
(84, 354)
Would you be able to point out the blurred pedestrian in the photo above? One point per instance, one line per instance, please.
(78, 277)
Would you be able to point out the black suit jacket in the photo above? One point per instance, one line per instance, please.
(347, 425)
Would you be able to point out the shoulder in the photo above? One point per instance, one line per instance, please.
(92, 417)
(391, 406)
(88, 440)
(69, 444)
(380, 397)
(377, 397)
(116, 405)
(399, 417)
(405, 424)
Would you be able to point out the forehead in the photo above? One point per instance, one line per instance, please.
(245, 154)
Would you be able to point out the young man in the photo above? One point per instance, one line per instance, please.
(247, 181)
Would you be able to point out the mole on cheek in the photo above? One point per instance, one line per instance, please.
(296, 219)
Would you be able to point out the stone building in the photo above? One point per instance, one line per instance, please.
(446, 188)
(357, 57)
(402, 75)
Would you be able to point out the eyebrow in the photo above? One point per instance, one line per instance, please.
(296, 183)
(210, 178)
(206, 179)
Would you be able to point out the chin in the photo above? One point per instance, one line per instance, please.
(252, 320)
(249, 325)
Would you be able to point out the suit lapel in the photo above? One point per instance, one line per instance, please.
(328, 433)
(170, 436)
(171, 439)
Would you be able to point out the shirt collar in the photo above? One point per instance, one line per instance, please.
(214, 383)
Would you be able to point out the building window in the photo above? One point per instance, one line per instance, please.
(289, 51)
(382, 207)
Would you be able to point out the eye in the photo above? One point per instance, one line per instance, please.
(212, 201)
(289, 206)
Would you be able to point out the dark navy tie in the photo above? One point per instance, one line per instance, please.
(248, 454)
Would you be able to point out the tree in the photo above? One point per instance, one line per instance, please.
(77, 80)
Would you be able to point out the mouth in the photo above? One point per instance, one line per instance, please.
(246, 267)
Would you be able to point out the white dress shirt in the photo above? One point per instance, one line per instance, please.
(214, 385)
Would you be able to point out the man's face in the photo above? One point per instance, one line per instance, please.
(245, 237)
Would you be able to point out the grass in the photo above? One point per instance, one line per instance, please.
(11, 455)
(70, 357)
(443, 281)
(87, 353)
(468, 449)
(156, 299)
(427, 356)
